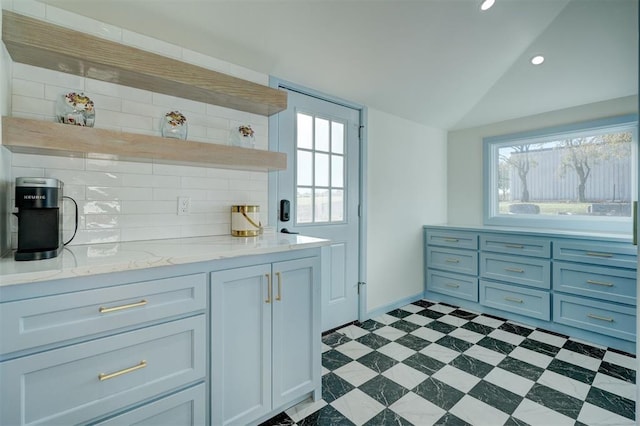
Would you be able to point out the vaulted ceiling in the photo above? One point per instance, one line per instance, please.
(442, 63)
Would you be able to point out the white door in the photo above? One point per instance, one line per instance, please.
(321, 183)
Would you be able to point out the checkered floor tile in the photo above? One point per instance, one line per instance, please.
(434, 364)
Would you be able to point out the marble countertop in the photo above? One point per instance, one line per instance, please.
(92, 259)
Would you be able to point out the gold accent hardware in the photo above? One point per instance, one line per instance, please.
(598, 317)
(452, 260)
(518, 270)
(103, 376)
(104, 310)
(451, 240)
(595, 254)
(279, 296)
(452, 285)
(514, 245)
(513, 299)
(606, 284)
(268, 288)
(247, 233)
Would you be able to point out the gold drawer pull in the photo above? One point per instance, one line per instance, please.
(598, 317)
(596, 254)
(103, 376)
(104, 310)
(268, 288)
(451, 240)
(513, 299)
(606, 284)
(279, 296)
(452, 285)
(518, 270)
(452, 260)
(514, 245)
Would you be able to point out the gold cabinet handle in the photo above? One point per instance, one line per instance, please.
(452, 260)
(604, 283)
(596, 254)
(279, 296)
(268, 288)
(518, 270)
(104, 376)
(513, 299)
(104, 310)
(452, 285)
(514, 246)
(598, 317)
(451, 240)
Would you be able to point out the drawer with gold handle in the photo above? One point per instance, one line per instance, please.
(451, 238)
(529, 271)
(519, 300)
(607, 318)
(612, 254)
(103, 375)
(456, 285)
(608, 284)
(452, 260)
(518, 245)
(48, 320)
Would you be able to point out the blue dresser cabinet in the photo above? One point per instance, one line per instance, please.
(580, 285)
(230, 341)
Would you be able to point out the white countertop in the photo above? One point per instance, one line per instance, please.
(85, 260)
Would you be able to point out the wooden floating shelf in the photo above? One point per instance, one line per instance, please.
(27, 136)
(34, 42)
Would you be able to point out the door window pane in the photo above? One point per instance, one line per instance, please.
(304, 124)
(337, 138)
(322, 169)
(322, 134)
(321, 205)
(337, 205)
(304, 205)
(337, 172)
(305, 168)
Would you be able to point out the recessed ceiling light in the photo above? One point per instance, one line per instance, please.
(537, 60)
(486, 4)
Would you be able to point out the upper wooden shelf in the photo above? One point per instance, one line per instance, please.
(42, 137)
(34, 42)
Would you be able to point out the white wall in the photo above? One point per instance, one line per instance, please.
(406, 190)
(124, 201)
(464, 152)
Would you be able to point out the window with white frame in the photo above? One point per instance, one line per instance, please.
(577, 177)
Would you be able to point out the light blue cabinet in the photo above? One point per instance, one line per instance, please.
(265, 344)
(580, 285)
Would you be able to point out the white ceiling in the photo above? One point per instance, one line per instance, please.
(442, 63)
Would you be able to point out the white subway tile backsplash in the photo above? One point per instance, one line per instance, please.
(135, 200)
(119, 166)
(28, 88)
(82, 23)
(47, 161)
(151, 44)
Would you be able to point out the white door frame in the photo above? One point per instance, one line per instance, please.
(277, 83)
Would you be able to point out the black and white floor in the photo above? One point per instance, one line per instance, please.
(434, 364)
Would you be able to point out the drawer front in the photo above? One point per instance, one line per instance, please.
(80, 382)
(523, 301)
(459, 286)
(600, 317)
(46, 320)
(596, 253)
(463, 261)
(185, 408)
(515, 244)
(615, 285)
(455, 239)
(514, 269)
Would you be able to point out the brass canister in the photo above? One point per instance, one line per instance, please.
(245, 221)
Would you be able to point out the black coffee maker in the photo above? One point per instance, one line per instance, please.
(39, 203)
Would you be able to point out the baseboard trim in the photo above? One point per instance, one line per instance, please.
(394, 305)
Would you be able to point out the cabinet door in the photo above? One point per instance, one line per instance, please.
(296, 329)
(241, 301)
